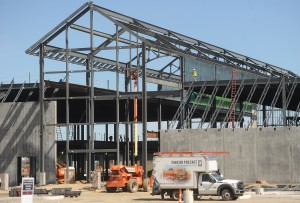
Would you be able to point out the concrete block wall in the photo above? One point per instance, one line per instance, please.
(20, 137)
(270, 154)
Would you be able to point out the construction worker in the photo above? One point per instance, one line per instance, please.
(194, 74)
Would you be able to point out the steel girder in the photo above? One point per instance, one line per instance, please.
(166, 42)
(263, 92)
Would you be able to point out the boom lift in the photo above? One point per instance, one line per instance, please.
(129, 178)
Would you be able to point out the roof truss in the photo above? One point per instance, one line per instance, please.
(160, 41)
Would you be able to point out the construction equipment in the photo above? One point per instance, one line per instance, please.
(129, 178)
(196, 171)
(60, 171)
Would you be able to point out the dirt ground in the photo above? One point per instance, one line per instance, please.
(90, 195)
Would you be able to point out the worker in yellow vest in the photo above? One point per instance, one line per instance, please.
(194, 74)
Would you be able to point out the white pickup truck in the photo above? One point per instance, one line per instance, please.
(194, 171)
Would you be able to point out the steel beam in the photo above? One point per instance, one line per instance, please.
(117, 97)
(144, 109)
(284, 104)
(92, 94)
(42, 110)
(60, 28)
(67, 103)
(92, 151)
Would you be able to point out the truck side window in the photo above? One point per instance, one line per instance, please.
(205, 178)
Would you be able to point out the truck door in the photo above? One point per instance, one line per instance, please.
(206, 184)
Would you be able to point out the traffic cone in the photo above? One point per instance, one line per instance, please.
(180, 196)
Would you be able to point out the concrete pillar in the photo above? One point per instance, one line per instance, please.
(4, 180)
(96, 179)
(254, 117)
(42, 178)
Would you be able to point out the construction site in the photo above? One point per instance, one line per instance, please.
(200, 97)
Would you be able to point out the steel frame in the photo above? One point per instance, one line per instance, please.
(261, 99)
(194, 106)
(157, 41)
(217, 110)
(207, 108)
(182, 105)
(249, 97)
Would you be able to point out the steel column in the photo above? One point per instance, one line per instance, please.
(82, 132)
(284, 105)
(144, 70)
(127, 80)
(159, 122)
(240, 109)
(117, 96)
(106, 132)
(91, 99)
(132, 144)
(159, 88)
(42, 109)
(264, 115)
(67, 104)
(182, 95)
(214, 107)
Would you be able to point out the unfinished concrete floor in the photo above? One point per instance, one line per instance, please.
(92, 196)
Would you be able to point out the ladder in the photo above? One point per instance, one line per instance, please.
(233, 93)
(233, 106)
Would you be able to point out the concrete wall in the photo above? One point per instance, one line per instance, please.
(20, 137)
(270, 154)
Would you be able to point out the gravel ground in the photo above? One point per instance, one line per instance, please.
(90, 195)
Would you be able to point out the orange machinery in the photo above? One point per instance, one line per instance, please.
(60, 171)
(129, 178)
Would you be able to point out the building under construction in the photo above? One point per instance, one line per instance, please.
(233, 102)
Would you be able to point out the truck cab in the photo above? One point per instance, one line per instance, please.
(213, 184)
(196, 171)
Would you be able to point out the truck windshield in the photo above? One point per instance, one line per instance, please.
(217, 176)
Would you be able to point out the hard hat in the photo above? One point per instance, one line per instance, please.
(194, 69)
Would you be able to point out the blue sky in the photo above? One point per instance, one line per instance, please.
(267, 30)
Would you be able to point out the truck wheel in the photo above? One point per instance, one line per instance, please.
(162, 194)
(197, 197)
(111, 189)
(235, 198)
(132, 186)
(175, 195)
(146, 185)
(227, 195)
